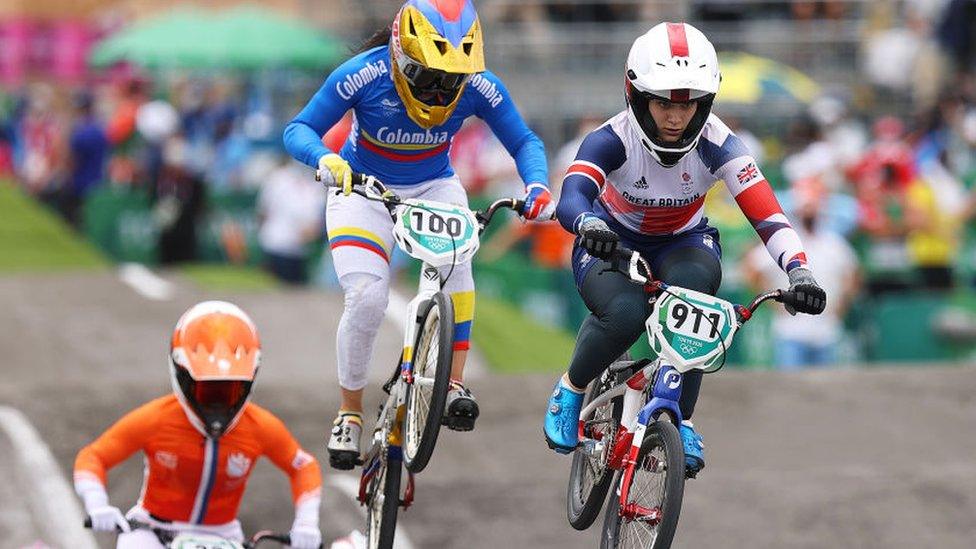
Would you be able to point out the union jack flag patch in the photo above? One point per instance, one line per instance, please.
(747, 173)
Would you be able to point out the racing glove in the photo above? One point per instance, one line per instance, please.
(597, 238)
(107, 518)
(338, 171)
(538, 203)
(808, 296)
(104, 517)
(305, 537)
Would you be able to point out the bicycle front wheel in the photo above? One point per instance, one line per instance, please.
(649, 517)
(589, 476)
(382, 503)
(427, 395)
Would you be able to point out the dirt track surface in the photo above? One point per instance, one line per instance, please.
(882, 458)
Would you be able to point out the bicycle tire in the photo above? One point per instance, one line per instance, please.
(381, 515)
(583, 502)
(436, 324)
(664, 435)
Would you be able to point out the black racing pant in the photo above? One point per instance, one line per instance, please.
(619, 310)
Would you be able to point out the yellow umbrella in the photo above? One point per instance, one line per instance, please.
(748, 79)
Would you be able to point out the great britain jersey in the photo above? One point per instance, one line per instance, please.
(616, 179)
(386, 143)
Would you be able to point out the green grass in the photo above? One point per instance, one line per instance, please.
(511, 342)
(34, 239)
(228, 278)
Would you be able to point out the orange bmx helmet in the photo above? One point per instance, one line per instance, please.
(214, 356)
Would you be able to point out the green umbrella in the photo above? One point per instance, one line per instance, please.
(253, 38)
(245, 38)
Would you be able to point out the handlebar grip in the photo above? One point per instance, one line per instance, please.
(519, 206)
(357, 179)
(88, 522)
(623, 253)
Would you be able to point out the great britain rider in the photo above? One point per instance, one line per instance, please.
(640, 180)
(410, 91)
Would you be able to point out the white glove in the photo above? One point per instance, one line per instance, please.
(107, 518)
(305, 537)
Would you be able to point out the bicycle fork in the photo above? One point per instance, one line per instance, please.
(665, 393)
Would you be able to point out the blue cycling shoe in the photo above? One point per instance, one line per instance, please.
(562, 419)
(694, 449)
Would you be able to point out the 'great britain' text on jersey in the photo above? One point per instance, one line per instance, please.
(353, 82)
(660, 202)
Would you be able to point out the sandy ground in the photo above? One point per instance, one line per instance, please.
(877, 458)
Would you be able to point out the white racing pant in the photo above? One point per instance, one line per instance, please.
(361, 240)
(145, 539)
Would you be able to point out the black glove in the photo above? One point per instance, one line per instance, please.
(596, 238)
(806, 295)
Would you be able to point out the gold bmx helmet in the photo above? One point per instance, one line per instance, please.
(435, 46)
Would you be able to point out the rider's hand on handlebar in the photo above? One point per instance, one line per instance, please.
(596, 237)
(807, 296)
(538, 202)
(305, 537)
(333, 166)
(108, 518)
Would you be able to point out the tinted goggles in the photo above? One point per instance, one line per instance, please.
(422, 78)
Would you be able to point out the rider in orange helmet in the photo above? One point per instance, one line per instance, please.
(201, 441)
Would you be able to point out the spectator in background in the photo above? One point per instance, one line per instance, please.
(122, 133)
(956, 33)
(178, 202)
(42, 144)
(805, 340)
(291, 216)
(230, 151)
(88, 147)
(881, 180)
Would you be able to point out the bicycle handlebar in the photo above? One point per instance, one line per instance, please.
(372, 188)
(166, 536)
(639, 271)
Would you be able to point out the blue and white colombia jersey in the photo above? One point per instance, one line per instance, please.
(386, 143)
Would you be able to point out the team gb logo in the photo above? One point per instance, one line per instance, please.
(238, 465)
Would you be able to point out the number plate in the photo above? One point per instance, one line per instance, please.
(435, 232)
(199, 541)
(688, 329)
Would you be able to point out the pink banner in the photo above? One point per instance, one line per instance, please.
(15, 36)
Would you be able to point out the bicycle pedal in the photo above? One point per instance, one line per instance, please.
(344, 461)
(458, 423)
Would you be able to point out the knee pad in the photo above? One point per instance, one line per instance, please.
(366, 298)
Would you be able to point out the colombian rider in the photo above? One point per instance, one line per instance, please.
(200, 442)
(640, 180)
(410, 89)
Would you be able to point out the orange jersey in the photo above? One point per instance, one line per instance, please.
(190, 477)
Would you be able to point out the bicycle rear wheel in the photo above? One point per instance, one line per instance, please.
(589, 476)
(382, 504)
(650, 515)
(427, 395)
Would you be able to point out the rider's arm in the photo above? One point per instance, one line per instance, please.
(120, 441)
(732, 163)
(302, 469)
(600, 153)
(303, 135)
(494, 105)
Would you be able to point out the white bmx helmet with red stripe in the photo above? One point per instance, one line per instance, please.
(675, 62)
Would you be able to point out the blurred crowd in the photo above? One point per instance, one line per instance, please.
(180, 142)
(877, 177)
